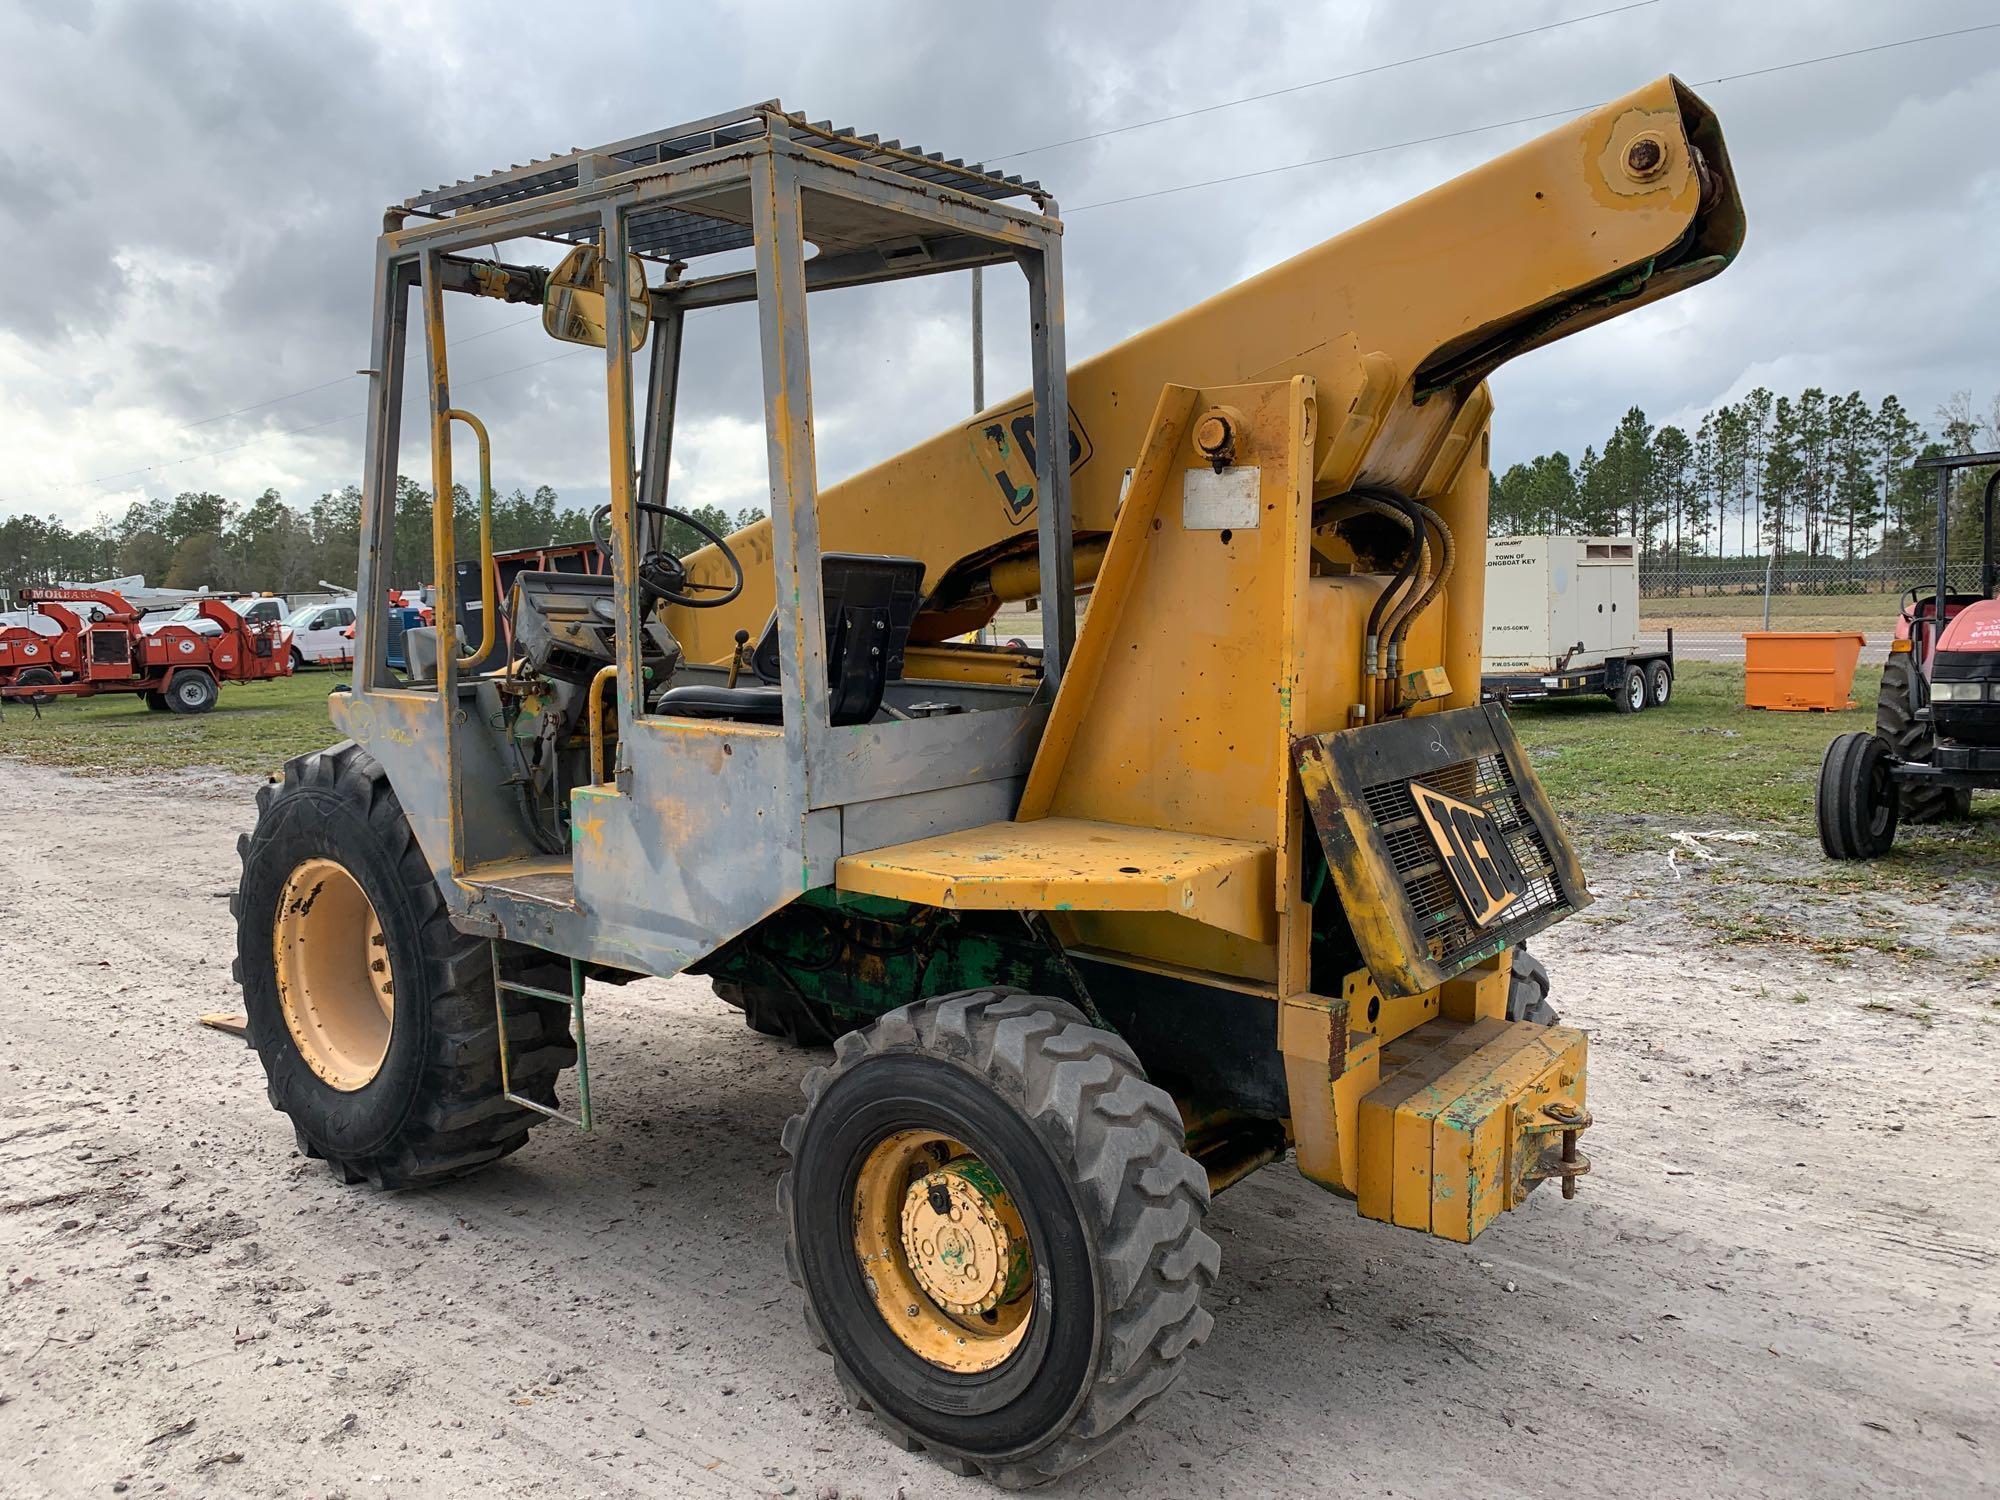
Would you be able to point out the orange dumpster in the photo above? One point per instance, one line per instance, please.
(1800, 669)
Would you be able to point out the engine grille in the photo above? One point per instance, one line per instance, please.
(1445, 927)
(1414, 925)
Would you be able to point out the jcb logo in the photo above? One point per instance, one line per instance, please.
(1474, 852)
(1004, 446)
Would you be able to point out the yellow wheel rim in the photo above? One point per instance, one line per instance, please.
(334, 984)
(943, 1251)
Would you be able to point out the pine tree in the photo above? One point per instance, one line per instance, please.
(1681, 505)
(1755, 413)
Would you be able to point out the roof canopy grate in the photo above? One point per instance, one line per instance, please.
(673, 234)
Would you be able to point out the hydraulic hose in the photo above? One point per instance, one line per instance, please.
(1447, 560)
(1376, 501)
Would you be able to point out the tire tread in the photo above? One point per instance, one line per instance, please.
(1142, 1197)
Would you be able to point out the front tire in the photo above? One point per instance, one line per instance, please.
(372, 1015)
(1857, 803)
(156, 703)
(1630, 697)
(999, 1146)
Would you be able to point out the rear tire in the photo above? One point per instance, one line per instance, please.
(1911, 739)
(1631, 695)
(1091, 1158)
(156, 703)
(1528, 991)
(430, 1107)
(1659, 684)
(774, 1011)
(191, 692)
(1857, 802)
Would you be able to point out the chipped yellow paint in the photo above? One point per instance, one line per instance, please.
(1445, 1143)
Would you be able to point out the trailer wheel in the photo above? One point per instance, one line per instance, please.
(997, 1229)
(1911, 738)
(29, 677)
(1528, 991)
(1659, 683)
(1630, 695)
(156, 703)
(373, 1015)
(1857, 801)
(191, 692)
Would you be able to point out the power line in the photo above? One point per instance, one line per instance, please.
(1297, 88)
(1519, 121)
(329, 422)
(329, 384)
(1401, 62)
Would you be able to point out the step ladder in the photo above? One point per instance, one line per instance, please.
(574, 1000)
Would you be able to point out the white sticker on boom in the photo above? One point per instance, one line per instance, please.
(1228, 501)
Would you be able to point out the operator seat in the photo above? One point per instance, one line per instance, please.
(870, 602)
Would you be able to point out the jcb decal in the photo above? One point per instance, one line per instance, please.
(1474, 852)
(1004, 446)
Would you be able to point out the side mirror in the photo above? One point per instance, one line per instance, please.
(573, 307)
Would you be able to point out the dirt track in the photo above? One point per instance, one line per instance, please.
(1781, 1279)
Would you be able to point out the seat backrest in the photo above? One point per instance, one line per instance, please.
(870, 602)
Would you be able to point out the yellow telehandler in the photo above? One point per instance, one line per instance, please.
(1234, 865)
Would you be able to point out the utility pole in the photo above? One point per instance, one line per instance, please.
(978, 338)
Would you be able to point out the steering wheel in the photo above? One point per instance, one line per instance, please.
(661, 576)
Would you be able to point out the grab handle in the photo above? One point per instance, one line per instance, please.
(445, 543)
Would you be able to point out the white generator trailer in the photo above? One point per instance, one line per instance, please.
(1562, 621)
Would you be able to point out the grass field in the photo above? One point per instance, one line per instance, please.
(1702, 756)
(254, 726)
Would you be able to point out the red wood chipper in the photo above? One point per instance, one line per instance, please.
(177, 666)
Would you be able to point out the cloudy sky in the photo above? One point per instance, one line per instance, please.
(189, 193)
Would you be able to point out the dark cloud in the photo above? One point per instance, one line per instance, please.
(189, 194)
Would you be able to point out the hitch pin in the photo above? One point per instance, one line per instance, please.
(1566, 1112)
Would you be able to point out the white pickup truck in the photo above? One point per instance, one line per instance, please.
(317, 633)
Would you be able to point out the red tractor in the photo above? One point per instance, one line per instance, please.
(1937, 718)
(177, 667)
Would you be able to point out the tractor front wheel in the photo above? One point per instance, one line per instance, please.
(373, 1016)
(998, 1230)
(1912, 739)
(1857, 802)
